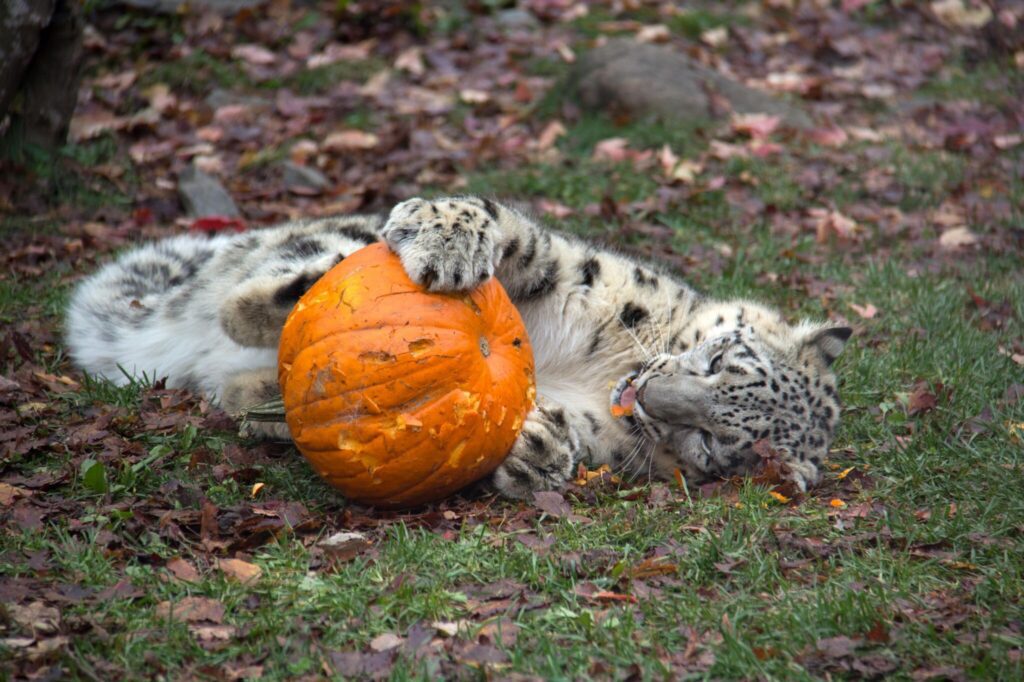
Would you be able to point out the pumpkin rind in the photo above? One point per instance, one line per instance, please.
(399, 396)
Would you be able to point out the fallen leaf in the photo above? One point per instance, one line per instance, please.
(349, 140)
(254, 54)
(831, 224)
(921, 399)
(385, 642)
(192, 610)
(345, 546)
(10, 493)
(958, 15)
(756, 126)
(656, 33)
(715, 37)
(867, 311)
(613, 149)
(239, 570)
(36, 616)
(552, 131)
(410, 60)
(957, 238)
(183, 570)
(836, 647)
(552, 503)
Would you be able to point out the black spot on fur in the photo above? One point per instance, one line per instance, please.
(535, 442)
(633, 314)
(590, 269)
(558, 417)
(530, 253)
(293, 291)
(595, 342)
(356, 234)
(302, 248)
(644, 278)
(510, 248)
(544, 285)
(491, 208)
(429, 275)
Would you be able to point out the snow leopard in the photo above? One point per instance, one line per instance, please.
(634, 368)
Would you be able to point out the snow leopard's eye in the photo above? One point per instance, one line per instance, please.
(716, 363)
(705, 442)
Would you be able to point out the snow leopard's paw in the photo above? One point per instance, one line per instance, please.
(544, 457)
(445, 245)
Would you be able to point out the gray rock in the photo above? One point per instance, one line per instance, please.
(176, 6)
(647, 81)
(203, 195)
(516, 19)
(219, 98)
(304, 177)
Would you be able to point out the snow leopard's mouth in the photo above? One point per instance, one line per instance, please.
(623, 397)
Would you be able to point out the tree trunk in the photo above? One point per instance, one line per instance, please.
(40, 56)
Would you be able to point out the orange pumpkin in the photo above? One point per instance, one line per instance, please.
(398, 396)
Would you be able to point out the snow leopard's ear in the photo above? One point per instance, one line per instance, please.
(825, 343)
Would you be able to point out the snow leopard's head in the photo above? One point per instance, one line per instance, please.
(744, 376)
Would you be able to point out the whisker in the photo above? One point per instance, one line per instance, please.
(629, 330)
(628, 461)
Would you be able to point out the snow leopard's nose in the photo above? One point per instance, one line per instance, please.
(671, 399)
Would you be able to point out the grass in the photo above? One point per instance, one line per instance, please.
(930, 564)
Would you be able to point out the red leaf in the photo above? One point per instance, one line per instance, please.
(217, 223)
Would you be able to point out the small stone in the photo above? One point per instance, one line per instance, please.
(516, 19)
(617, 77)
(304, 177)
(204, 195)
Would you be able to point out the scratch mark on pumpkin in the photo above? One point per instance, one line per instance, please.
(456, 454)
(420, 346)
(377, 356)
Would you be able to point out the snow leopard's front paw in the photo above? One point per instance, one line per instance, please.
(544, 457)
(445, 245)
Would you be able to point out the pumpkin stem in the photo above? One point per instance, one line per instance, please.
(270, 411)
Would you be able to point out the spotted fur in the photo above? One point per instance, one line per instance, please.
(713, 379)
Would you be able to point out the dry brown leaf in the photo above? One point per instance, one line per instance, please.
(9, 493)
(239, 570)
(656, 33)
(867, 311)
(957, 14)
(552, 131)
(344, 546)
(831, 223)
(385, 642)
(183, 570)
(192, 610)
(410, 60)
(757, 126)
(254, 54)
(957, 238)
(613, 149)
(715, 37)
(349, 140)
